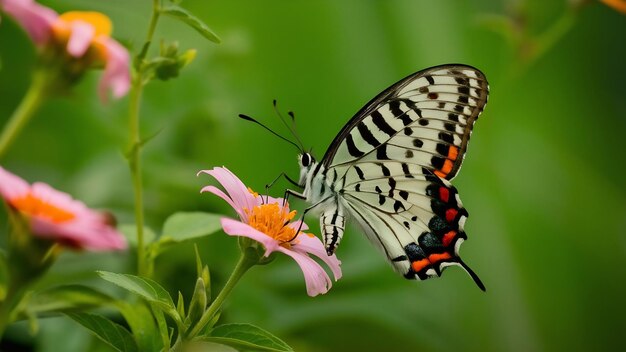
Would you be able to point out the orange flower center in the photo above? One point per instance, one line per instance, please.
(100, 22)
(272, 220)
(34, 206)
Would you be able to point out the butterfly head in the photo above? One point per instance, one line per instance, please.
(307, 162)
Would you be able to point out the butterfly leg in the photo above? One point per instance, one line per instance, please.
(289, 192)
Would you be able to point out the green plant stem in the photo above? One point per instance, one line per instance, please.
(134, 159)
(245, 262)
(11, 300)
(35, 95)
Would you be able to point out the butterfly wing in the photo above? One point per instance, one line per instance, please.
(394, 159)
(426, 118)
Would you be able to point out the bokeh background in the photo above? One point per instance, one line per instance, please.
(543, 180)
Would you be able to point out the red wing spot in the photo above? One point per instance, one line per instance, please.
(438, 257)
(448, 237)
(451, 214)
(444, 194)
(433, 95)
(418, 265)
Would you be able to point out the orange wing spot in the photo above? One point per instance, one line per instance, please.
(448, 237)
(447, 166)
(437, 257)
(418, 265)
(440, 174)
(453, 152)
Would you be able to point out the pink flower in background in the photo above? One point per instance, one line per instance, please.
(82, 35)
(56, 216)
(267, 221)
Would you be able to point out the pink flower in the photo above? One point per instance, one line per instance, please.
(56, 216)
(84, 36)
(268, 221)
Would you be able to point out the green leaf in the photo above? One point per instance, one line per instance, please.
(197, 306)
(148, 289)
(180, 305)
(205, 346)
(130, 232)
(163, 329)
(113, 334)
(4, 275)
(142, 325)
(247, 336)
(184, 226)
(67, 298)
(194, 22)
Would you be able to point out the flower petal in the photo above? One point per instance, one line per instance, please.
(11, 186)
(237, 191)
(37, 20)
(296, 224)
(310, 244)
(81, 35)
(116, 76)
(218, 192)
(89, 232)
(317, 281)
(82, 228)
(59, 199)
(238, 228)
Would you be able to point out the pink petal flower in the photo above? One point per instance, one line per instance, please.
(267, 221)
(310, 244)
(78, 32)
(36, 20)
(238, 228)
(54, 215)
(239, 195)
(316, 279)
(81, 35)
(116, 76)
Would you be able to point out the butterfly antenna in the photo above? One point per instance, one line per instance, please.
(248, 118)
(291, 127)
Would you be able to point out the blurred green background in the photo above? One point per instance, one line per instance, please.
(543, 180)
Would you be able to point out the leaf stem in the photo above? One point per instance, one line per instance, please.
(35, 95)
(134, 159)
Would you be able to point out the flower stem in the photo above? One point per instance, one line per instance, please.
(245, 262)
(35, 95)
(134, 159)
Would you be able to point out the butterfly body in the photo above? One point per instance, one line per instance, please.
(389, 170)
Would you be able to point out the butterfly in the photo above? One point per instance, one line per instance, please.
(390, 168)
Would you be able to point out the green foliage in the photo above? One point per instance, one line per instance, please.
(192, 21)
(247, 336)
(111, 333)
(184, 226)
(198, 303)
(146, 288)
(130, 232)
(144, 328)
(67, 298)
(4, 275)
